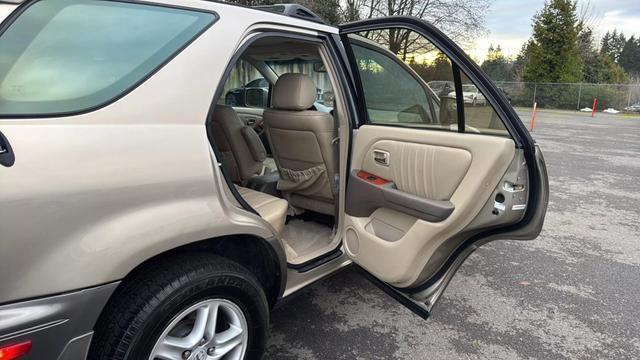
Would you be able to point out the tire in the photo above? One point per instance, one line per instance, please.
(146, 303)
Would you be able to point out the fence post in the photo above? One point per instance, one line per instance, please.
(535, 88)
(579, 94)
(533, 116)
(629, 97)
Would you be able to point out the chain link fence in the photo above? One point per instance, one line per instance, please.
(621, 97)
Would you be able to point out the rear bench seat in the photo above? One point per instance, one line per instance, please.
(271, 208)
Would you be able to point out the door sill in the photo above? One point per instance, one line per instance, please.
(317, 261)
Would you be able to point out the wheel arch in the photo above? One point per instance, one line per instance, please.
(264, 258)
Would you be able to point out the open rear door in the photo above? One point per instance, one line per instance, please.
(440, 162)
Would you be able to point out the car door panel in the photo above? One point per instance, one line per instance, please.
(425, 170)
(474, 164)
(425, 191)
(249, 116)
(438, 274)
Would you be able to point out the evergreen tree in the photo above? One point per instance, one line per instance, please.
(497, 66)
(610, 72)
(612, 44)
(598, 67)
(521, 59)
(605, 44)
(442, 67)
(617, 44)
(630, 56)
(552, 55)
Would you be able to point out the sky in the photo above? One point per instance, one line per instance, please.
(509, 22)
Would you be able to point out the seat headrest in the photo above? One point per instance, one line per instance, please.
(294, 92)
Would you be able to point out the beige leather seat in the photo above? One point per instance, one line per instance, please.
(242, 151)
(302, 143)
(270, 208)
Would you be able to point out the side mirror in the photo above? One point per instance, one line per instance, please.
(256, 97)
(448, 110)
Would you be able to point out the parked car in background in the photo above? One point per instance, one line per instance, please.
(633, 108)
(471, 95)
(470, 92)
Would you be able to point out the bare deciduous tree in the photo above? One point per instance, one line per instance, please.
(462, 20)
(353, 10)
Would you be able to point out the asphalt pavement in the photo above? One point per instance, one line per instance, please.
(573, 293)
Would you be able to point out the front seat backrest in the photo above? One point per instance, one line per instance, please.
(242, 151)
(302, 143)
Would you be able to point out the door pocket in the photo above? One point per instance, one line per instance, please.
(389, 225)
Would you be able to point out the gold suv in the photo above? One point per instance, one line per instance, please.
(156, 201)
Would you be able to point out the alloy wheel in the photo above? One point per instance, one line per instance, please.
(214, 329)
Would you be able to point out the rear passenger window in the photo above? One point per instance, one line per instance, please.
(72, 55)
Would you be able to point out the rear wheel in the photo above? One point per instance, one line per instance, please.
(192, 307)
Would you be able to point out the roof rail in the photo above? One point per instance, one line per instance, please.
(293, 10)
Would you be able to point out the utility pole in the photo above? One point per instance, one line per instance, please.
(579, 94)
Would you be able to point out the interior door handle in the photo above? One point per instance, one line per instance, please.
(381, 157)
(6, 153)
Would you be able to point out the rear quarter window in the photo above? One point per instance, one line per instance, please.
(66, 56)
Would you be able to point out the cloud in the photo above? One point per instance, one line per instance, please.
(509, 25)
(618, 19)
(509, 22)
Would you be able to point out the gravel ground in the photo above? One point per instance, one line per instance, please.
(572, 293)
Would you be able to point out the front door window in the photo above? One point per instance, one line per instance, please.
(408, 81)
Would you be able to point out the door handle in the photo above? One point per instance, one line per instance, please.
(6, 153)
(381, 157)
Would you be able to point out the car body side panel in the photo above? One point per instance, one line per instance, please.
(92, 196)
